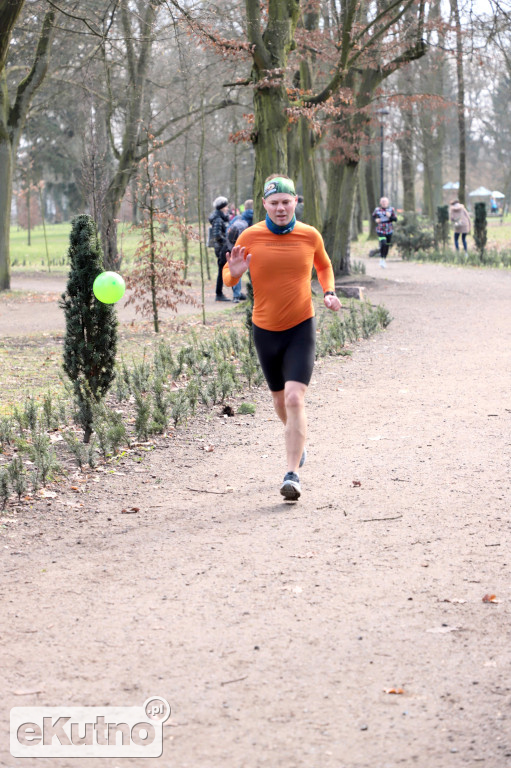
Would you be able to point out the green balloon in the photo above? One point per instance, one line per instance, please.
(109, 287)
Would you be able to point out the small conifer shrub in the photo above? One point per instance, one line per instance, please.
(91, 326)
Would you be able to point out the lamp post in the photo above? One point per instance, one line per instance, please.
(382, 112)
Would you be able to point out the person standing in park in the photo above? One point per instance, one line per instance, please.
(281, 253)
(384, 216)
(219, 220)
(461, 221)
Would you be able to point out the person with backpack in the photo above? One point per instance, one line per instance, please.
(234, 230)
(219, 221)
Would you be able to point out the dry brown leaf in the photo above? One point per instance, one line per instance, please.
(490, 599)
(356, 483)
(28, 693)
(209, 448)
(393, 690)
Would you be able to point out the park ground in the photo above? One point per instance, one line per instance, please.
(366, 626)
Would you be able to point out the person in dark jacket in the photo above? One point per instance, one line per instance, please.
(219, 221)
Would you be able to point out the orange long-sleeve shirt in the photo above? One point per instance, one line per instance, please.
(280, 270)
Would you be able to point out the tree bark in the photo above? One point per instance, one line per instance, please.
(270, 55)
(9, 12)
(460, 104)
(342, 186)
(12, 122)
(128, 157)
(406, 149)
(370, 175)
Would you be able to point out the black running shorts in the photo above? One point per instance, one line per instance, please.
(287, 355)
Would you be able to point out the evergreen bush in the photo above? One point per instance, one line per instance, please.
(411, 237)
(91, 326)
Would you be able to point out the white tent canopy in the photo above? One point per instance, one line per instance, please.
(481, 192)
(451, 185)
(497, 195)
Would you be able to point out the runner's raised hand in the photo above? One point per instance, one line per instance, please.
(238, 260)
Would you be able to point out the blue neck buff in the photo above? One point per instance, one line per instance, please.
(277, 229)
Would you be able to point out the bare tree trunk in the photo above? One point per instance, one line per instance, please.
(128, 156)
(270, 54)
(271, 141)
(9, 12)
(12, 120)
(371, 183)
(293, 151)
(342, 186)
(5, 213)
(460, 104)
(311, 193)
(406, 149)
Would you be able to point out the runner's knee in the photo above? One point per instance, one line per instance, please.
(295, 396)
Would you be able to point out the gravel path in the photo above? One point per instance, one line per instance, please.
(278, 631)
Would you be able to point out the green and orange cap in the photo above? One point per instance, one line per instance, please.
(279, 185)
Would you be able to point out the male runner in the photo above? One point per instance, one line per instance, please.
(281, 252)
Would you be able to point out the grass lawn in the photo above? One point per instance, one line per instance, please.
(35, 258)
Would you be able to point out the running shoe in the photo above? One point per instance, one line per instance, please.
(290, 488)
(304, 458)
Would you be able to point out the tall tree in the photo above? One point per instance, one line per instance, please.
(460, 102)
(13, 114)
(127, 155)
(368, 54)
(270, 52)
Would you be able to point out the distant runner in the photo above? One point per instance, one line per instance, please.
(384, 216)
(281, 253)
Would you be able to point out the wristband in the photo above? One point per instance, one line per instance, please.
(329, 293)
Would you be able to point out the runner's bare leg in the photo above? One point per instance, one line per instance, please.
(289, 405)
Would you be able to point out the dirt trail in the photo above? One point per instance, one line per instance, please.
(45, 316)
(274, 630)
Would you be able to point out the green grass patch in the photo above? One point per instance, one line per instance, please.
(33, 257)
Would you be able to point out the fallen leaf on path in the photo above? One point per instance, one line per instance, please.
(356, 483)
(209, 448)
(28, 693)
(490, 599)
(399, 691)
(452, 600)
(130, 511)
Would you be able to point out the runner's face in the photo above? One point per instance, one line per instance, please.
(280, 207)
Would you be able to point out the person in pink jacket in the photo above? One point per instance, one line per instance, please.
(461, 222)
